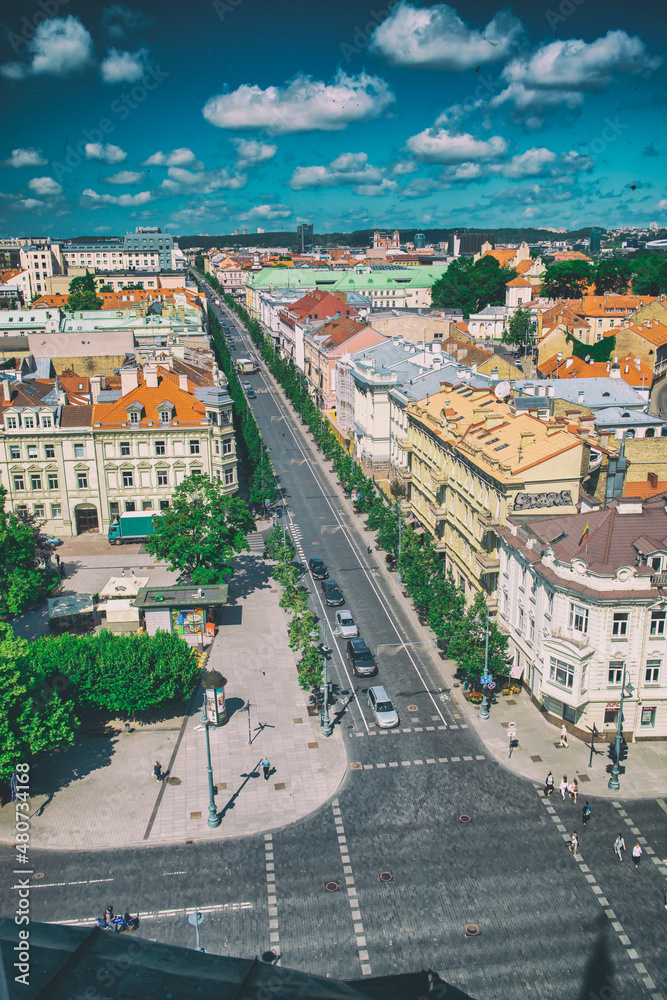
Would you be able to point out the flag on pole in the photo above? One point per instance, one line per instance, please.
(584, 536)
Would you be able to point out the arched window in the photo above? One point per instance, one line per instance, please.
(650, 432)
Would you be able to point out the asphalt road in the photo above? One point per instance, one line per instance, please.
(385, 878)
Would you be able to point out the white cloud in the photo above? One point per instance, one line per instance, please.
(90, 199)
(403, 167)
(385, 186)
(439, 145)
(436, 38)
(531, 105)
(30, 203)
(117, 20)
(662, 205)
(182, 157)
(125, 177)
(206, 181)
(45, 186)
(268, 212)
(105, 152)
(124, 67)
(25, 158)
(348, 168)
(250, 152)
(60, 45)
(303, 105)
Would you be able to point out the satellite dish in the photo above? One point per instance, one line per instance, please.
(502, 390)
(588, 358)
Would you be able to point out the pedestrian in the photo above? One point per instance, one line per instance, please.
(57, 560)
(108, 915)
(619, 846)
(574, 843)
(563, 737)
(134, 575)
(549, 785)
(636, 854)
(574, 790)
(369, 547)
(563, 787)
(157, 770)
(585, 813)
(266, 767)
(122, 572)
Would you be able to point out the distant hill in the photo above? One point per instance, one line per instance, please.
(362, 238)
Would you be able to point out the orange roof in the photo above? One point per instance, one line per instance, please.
(518, 283)
(644, 490)
(651, 330)
(6, 276)
(562, 255)
(633, 370)
(502, 254)
(118, 300)
(525, 265)
(185, 408)
(608, 305)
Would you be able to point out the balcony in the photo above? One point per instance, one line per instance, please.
(574, 638)
(659, 580)
(487, 562)
(404, 474)
(488, 521)
(440, 545)
(440, 477)
(404, 444)
(439, 512)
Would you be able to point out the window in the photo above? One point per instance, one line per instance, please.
(194, 447)
(46, 420)
(49, 451)
(52, 480)
(160, 448)
(18, 483)
(82, 480)
(134, 416)
(229, 477)
(615, 674)
(562, 673)
(212, 416)
(32, 451)
(146, 504)
(619, 628)
(14, 452)
(163, 478)
(164, 504)
(531, 629)
(652, 672)
(127, 479)
(56, 510)
(78, 451)
(217, 447)
(658, 622)
(125, 449)
(648, 715)
(28, 421)
(164, 418)
(227, 446)
(35, 481)
(12, 423)
(578, 618)
(39, 510)
(130, 506)
(521, 618)
(114, 508)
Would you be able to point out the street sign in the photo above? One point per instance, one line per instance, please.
(491, 685)
(487, 679)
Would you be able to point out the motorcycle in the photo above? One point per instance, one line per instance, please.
(118, 923)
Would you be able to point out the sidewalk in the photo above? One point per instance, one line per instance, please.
(101, 792)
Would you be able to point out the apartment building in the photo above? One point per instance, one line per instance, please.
(41, 260)
(145, 249)
(584, 600)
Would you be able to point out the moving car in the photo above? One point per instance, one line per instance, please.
(252, 394)
(50, 540)
(382, 708)
(332, 593)
(360, 657)
(346, 624)
(318, 569)
(246, 384)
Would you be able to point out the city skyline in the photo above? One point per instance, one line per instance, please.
(413, 115)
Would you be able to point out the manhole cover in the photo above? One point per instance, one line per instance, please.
(313, 746)
(189, 842)
(173, 781)
(464, 818)
(412, 708)
(332, 886)
(355, 765)
(472, 930)
(279, 786)
(195, 815)
(221, 786)
(386, 876)
(536, 759)
(38, 876)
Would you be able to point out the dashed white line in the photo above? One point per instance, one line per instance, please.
(360, 937)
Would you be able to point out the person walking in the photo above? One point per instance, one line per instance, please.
(585, 813)
(636, 854)
(574, 843)
(266, 768)
(157, 770)
(574, 790)
(369, 547)
(549, 785)
(619, 846)
(563, 787)
(563, 737)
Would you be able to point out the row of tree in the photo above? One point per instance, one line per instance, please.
(25, 564)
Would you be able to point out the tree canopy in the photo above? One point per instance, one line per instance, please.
(650, 274)
(201, 530)
(471, 285)
(22, 582)
(521, 330)
(83, 293)
(567, 280)
(613, 274)
(467, 646)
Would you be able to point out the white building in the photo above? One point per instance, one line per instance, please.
(584, 600)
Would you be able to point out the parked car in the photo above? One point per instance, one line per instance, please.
(252, 394)
(246, 384)
(360, 657)
(318, 569)
(382, 708)
(332, 593)
(346, 624)
(50, 540)
(232, 347)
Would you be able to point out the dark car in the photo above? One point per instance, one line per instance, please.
(332, 593)
(318, 569)
(252, 394)
(361, 658)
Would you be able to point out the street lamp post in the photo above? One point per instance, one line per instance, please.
(484, 710)
(399, 575)
(614, 783)
(213, 819)
(325, 722)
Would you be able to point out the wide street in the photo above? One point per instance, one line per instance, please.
(427, 834)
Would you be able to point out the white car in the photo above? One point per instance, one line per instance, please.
(383, 711)
(346, 625)
(247, 385)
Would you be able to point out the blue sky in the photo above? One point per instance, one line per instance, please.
(211, 116)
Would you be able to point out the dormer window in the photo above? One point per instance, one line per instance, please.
(134, 417)
(165, 417)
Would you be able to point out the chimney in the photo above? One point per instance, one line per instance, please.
(183, 382)
(150, 375)
(570, 361)
(580, 397)
(6, 390)
(129, 380)
(95, 384)
(637, 364)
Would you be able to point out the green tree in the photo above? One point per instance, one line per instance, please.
(201, 530)
(471, 285)
(650, 274)
(106, 288)
(613, 274)
(83, 293)
(467, 645)
(568, 280)
(311, 673)
(22, 582)
(521, 330)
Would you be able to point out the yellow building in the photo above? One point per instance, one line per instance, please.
(471, 462)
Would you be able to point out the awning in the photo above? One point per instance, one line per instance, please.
(419, 531)
(516, 671)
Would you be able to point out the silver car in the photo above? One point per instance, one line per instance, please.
(382, 708)
(346, 624)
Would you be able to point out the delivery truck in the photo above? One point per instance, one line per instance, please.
(246, 365)
(132, 526)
